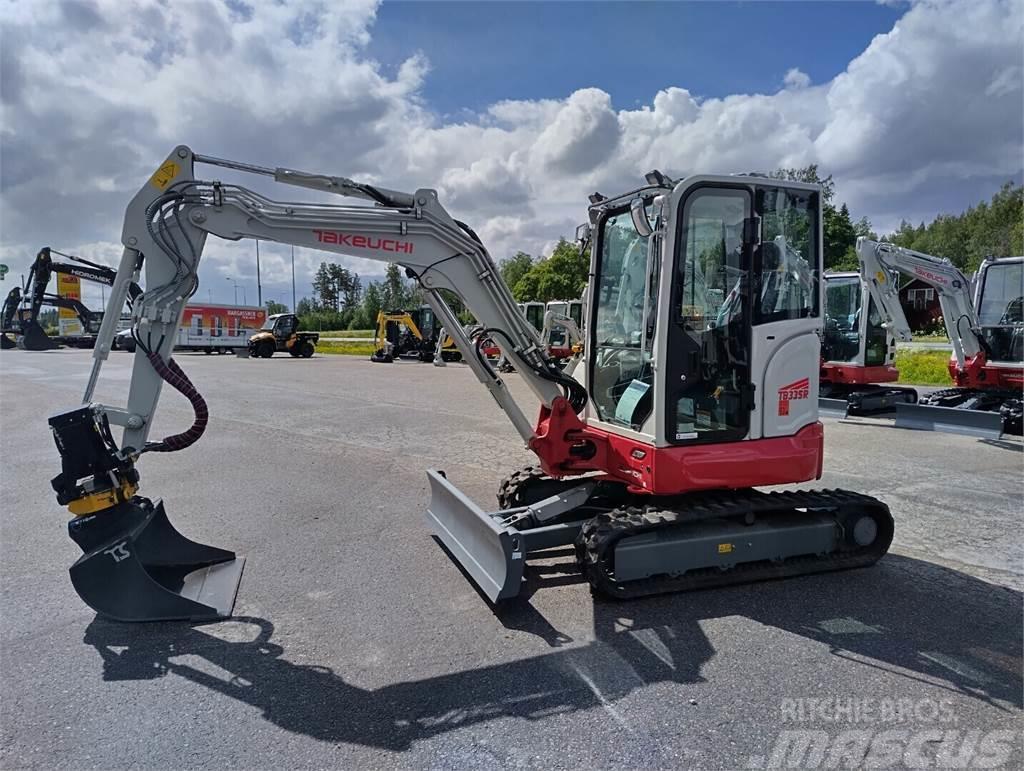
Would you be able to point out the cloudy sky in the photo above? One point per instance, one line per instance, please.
(514, 112)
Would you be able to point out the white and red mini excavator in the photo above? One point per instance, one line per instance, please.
(699, 385)
(986, 334)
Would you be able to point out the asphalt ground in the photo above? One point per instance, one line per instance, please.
(358, 643)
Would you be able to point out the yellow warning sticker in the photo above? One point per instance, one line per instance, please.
(163, 176)
(724, 548)
(880, 275)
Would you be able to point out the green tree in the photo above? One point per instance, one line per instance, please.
(276, 307)
(352, 292)
(840, 233)
(397, 292)
(994, 227)
(514, 268)
(562, 276)
(306, 306)
(840, 236)
(809, 174)
(366, 316)
(325, 287)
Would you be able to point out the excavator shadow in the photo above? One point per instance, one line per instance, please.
(917, 621)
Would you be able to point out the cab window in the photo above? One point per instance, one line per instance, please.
(786, 262)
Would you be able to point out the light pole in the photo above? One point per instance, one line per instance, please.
(236, 288)
(259, 285)
(293, 278)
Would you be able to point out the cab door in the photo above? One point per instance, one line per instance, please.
(786, 309)
(707, 363)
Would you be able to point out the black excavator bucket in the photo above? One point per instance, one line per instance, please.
(6, 343)
(137, 567)
(33, 338)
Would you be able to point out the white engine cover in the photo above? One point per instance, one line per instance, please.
(789, 355)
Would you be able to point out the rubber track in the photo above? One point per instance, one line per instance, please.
(510, 486)
(595, 546)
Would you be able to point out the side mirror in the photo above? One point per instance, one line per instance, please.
(638, 213)
(583, 234)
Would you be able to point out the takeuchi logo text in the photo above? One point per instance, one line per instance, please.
(357, 241)
(799, 389)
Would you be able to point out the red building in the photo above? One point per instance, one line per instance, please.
(920, 305)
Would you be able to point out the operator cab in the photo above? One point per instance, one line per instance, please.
(845, 326)
(722, 343)
(534, 312)
(999, 298)
(280, 324)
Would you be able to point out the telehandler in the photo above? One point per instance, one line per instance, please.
(694, 393)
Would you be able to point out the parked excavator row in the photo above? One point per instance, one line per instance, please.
(650, 457)
(22, 307)
(986, 334)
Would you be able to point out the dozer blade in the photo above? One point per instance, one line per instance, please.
(137, 567)
(33, 338)
(6, 343)
(491, 553)
(951, 420)
(833, 408)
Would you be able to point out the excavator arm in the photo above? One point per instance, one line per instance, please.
(881, 262)
(165, 230)
(11, 303)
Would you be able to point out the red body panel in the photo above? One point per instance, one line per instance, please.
(856, 375)
(978, 373)
(671, 470)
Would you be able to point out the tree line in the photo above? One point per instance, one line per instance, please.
(994, 227)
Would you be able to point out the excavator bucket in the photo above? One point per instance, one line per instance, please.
(6, 343)
(951, 420)
(33, 338)
(137, 567)
(491, 553)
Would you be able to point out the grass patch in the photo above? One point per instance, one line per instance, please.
(348, 349)
(368, 333)
(923, 367)
(931, 339)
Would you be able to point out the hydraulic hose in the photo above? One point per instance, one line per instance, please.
(176, 378)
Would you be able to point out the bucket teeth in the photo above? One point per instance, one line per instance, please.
(137, 567)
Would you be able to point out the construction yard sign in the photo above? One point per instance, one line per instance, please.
(68, 322)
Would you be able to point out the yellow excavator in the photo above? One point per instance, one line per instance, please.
(404, 334)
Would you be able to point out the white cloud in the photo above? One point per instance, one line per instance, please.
(95, 94)
(796, 78)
